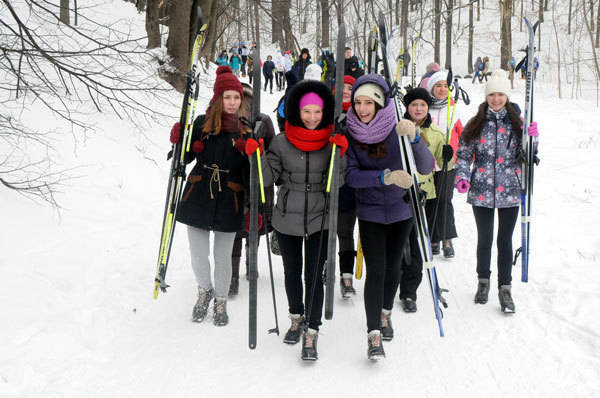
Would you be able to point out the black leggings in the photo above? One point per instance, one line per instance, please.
(412, 268)
(345, 234)
(382, 248)
(445, 205)
(269, 80)
(484, 218)
(291, 252)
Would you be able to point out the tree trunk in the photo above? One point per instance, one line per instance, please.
(64, 12)
(140, 5)
(570, 11)
(404, 25)
(276, 22)
(478, 10)
(152, 26)
(324, 24)
(450, 5)
(256, 19)
(597, 26)
(436, 26)
(591, 14)
(557, 50)
(470, 54)
(505, 34)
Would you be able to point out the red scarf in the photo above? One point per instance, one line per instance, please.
(346, 106)
(229, 122)
(308, 140)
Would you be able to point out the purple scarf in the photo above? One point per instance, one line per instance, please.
(377, 130)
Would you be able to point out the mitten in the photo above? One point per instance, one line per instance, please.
(175, 133)
(397, 177)
(198, 146)
(341, 141)
(406, 127)
(462, 185)
(447, 153)
(240, 144)
(252, 144)
(532, 131)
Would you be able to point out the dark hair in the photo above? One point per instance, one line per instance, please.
(379, 149)
(475, 125)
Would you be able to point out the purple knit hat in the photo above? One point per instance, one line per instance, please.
(375, 79)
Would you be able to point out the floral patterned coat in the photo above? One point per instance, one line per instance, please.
(495, 174)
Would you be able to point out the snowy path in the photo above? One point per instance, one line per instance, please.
(79, 319)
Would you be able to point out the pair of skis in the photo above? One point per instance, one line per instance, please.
(178, 152)
(416, 201)
(528, 148)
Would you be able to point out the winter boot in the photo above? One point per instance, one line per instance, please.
(448, 249)
(275, 245)
(234, 287)
(201, 306)
(506, 302)
(346, 286)
(292, 336)
(375, 351)
(220, 317)
(483, 289)
(309, 345)
(409, 305)
(435, 248)
(387, 331)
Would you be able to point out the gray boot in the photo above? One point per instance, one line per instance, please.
(201, 307)
(220, 317)
(506, 302)
(483, 289)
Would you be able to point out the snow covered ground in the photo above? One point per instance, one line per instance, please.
(78, 318)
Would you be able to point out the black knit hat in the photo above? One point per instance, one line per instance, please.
(415, 94)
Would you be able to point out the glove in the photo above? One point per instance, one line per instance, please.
(198, 146)
(447, 153)
(341, 141)
(462, 185)
(247, 226)
(240, 145)
(406, 127)
(252, 144)
(397, 177)
(175, 133)
(532, 131)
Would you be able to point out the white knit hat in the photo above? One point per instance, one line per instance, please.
(498, 83)
(436, 78)
(372, 91)
(313, 72)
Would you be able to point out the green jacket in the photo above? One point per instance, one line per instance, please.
(435, 139)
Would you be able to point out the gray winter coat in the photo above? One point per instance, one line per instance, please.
(495, 176)
(301, 197)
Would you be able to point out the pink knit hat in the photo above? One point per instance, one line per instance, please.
(311, 99)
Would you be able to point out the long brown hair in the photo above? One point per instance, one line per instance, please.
(214, 113)
(475, 125)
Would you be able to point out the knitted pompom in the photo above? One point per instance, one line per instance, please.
(223, 69)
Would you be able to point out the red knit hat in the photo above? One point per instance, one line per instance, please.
(349, 80)
(226, 80)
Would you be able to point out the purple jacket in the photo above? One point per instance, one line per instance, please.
(376, 202)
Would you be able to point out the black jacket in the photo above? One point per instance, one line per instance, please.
(268, 67)
(213, 197)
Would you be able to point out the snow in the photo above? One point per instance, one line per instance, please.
(79, 319)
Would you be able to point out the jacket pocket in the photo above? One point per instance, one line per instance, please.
(192, 179)
(236, 188)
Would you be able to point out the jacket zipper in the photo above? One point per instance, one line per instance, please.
(306, 197)
(495, 161)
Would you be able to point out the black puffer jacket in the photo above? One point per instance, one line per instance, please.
(213, 197)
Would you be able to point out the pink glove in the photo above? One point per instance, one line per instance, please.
(462, 186)
(532, 131)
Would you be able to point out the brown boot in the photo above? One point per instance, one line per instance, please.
(235, 277)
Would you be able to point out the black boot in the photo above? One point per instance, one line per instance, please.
(292, 336)
(387, 331)
(506, 302)
(346, 268)
(201, 307)
(235, 277)
(435, 248)
(448, 249)
(409, 305)
(375, 351)
(220, 317)
(483, 289)
(309, 345)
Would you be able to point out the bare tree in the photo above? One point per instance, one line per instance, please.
(152, 24)
(437, 11)
(470, 51)
(61, 66)
(450, 9)
(64, 12)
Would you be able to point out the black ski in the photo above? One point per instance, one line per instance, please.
(177, 154)
(333, 182)
(253, 201)
(409, 165)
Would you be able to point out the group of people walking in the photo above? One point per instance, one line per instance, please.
(479, 158)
